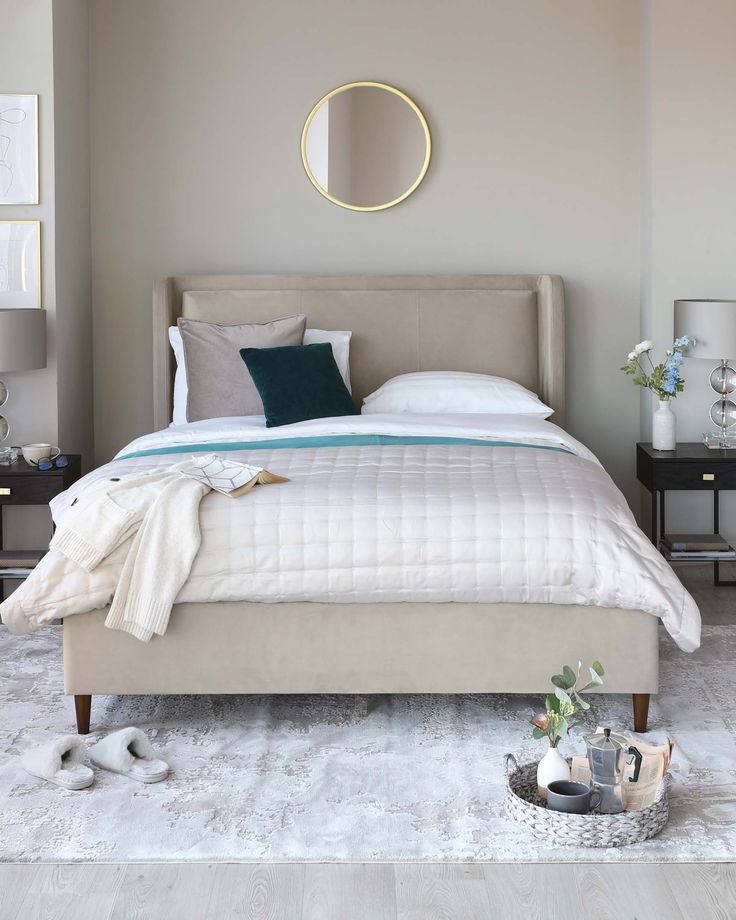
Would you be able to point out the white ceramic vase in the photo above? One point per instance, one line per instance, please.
(551, 767)
(663, 427)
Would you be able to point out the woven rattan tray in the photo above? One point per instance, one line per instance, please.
(594, 830)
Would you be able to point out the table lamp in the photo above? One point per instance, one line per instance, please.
(22, 348)
(712, 323)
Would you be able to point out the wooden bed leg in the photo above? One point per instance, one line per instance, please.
(641, 711)
(83, 707)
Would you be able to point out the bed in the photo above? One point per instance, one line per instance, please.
(511, 326)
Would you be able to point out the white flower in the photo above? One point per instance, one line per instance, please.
(632, 356)
(643, 347)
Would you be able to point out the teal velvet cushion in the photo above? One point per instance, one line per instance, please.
(298, 382)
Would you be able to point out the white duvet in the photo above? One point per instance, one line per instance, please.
(526, 516)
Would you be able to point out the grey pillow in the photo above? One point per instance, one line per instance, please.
(219, 383)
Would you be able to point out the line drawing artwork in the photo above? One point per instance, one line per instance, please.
(20, 279)
(18, 149)
(14, 116)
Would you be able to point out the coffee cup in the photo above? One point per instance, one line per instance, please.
(572, 798)
(32, 453)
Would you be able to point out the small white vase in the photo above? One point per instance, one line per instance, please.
(663, 427)
(551, 767)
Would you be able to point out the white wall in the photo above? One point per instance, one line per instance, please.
(44, 49)
(197, 110)
(26, 66)
(692, 205)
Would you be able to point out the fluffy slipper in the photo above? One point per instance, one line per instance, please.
(129, 753)
(60, 762)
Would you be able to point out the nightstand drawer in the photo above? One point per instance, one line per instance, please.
(34, 489)
(709, 476)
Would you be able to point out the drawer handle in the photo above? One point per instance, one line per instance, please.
(4, 490)
(709, 477)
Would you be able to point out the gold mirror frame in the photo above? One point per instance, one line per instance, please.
(427, 139)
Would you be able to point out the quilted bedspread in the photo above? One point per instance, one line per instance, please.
(484, 509)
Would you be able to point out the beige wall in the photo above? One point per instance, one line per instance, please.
(196, 114)
(591, 139)
(691, 211)
(73, 256)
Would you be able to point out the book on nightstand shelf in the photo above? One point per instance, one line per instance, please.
(20, 558)
(696, 546)
(19, 562)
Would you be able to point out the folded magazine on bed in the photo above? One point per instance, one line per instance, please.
(230, 477)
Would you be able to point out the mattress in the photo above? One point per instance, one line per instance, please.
(391, 508)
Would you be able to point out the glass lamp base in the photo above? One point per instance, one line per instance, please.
(716, 440)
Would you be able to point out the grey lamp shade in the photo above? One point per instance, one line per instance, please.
(712, 323)
(22, 339)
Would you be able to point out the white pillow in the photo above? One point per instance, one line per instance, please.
(453, 391)
(179, 416)
(340, 342)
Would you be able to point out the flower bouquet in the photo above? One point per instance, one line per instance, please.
(664, 380)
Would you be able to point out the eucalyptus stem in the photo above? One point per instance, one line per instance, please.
(564, 704)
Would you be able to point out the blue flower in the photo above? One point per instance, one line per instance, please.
(685, 341)
(672, 373)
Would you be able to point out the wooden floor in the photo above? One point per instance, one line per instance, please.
(399, 891)
(376, 891)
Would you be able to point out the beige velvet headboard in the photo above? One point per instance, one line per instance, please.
(509, 325)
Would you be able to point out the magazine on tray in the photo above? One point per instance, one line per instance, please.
(656, 754)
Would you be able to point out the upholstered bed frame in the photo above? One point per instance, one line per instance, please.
(510, 325)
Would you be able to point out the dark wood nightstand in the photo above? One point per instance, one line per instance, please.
(23, 484)
(690, 466)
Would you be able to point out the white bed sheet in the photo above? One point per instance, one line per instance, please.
(371, 523)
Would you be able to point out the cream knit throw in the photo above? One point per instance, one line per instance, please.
(161, 513)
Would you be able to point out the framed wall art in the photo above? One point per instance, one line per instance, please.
(18, 149)
(20, 263)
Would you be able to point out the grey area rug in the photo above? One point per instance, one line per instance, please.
(341, 778)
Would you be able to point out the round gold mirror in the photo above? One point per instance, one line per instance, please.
(366, 146)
